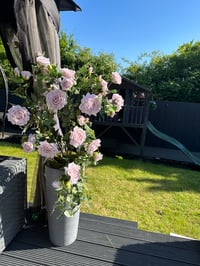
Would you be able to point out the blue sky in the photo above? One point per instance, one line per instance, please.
(128, 28)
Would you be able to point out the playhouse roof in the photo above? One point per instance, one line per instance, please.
(130, 84)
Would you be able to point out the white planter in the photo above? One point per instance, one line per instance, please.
(63, 230)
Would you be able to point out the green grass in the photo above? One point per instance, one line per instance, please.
(15, 150)
(160, 198)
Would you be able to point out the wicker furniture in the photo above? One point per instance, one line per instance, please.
(12, 198)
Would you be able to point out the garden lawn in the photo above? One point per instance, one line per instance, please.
(15, 150)
(160, 198)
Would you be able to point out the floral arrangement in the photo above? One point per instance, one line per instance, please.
(56, 119)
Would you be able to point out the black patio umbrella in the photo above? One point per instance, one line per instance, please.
(30, 27)
(67, 5)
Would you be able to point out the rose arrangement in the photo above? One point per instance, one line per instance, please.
(56, 119)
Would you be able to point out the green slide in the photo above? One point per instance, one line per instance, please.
(174, 142)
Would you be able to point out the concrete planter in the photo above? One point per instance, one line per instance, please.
(63, 230)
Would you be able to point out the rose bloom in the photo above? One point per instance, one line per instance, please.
(73, 170)
(48, 150)
(82, 120)
(118, 101)
(27, 147)
(26, 74)
(68, 73)
(98, 157)
(66, 83)
(31, 138)
(77, 137)
(104, 85)
(116, 78)
(56, 99)
(17, 72)
(90, 104)
(93, 146)
(42, 61)
(18, 115)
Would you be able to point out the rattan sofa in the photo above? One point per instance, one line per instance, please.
(12, 198)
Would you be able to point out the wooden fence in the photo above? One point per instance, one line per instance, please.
(179, 120)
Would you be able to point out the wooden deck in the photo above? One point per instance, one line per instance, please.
(102, 242)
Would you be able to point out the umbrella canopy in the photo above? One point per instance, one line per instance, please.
(67, 5)
(32, 25)
(7, 8)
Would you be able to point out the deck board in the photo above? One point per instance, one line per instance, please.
(102, 241)
(108, 220)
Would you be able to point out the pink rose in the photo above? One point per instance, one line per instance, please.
(82, 120)
(98, 157)
(116, 78)
(18, 115)
(67, 83)
(77, 137)
(42, 61)
(73, 170)
(93, 146)
(17, 72)
(26, 74)
(90, 104)
(31, 138)
(104, 85)
(28, 146)
(56, 99)
(118, 101)
(68, 73)
(48, 150)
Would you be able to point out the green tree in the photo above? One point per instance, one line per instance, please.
(174, 77)
(74, 56)
(4, 64)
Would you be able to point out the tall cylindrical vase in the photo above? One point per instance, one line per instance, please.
(62, 230)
